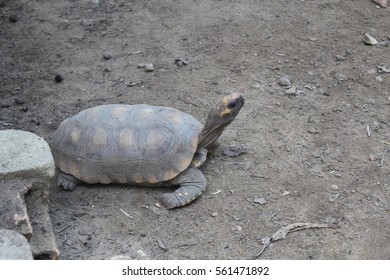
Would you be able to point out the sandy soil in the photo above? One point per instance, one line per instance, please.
(314, 154)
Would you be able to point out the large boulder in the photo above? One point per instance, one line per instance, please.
(14, 246)
(26, 171)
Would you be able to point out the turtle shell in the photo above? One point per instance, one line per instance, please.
(134, 144)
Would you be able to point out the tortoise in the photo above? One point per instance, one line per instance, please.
(140, 145)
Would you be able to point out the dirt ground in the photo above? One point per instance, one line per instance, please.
(314, 154)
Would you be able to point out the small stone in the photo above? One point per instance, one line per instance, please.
(284, 81)
(157, 205)
(379, 78)
(141, 255)
(312, 130)
(161, 244)
(131, 83)
(371, 71)
(291, 91)
(285, 193)
(341, 57)
(106, 70)
(107, 56)
(383, 69)
(260, 200)
(238, 228)
(214, 214)
(369, 40)
(381, 3)
(19, 101)
(334, 187)
(58, 78)
(340, 77)
(13, 18)
(149, 67)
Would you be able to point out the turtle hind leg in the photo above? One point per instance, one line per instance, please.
(192, 184)
(67, 182)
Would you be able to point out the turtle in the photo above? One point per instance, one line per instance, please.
(140, 145)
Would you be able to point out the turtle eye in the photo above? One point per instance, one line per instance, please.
(232, 104)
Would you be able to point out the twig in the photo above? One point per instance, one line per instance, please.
(126, 214)
(266, 242)
(64, 228)
(384, 142)
(47, 32)
(383, 156)
(283, 231)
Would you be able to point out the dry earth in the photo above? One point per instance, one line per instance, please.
(313, 155)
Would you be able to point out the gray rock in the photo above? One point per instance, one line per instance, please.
(13, 214)
(14, 246)
(284, 81)
(291, 91)
(148, 67)
(107, 55)
(26, 170)
(24, 154)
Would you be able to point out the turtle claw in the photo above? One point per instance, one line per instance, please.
(67, 182)
(173, 200)
(168, 200)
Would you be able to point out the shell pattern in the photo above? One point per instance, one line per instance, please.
(132, 144)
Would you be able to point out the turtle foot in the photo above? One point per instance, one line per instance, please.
(67, 182)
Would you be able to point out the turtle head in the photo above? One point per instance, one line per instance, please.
(219, 117)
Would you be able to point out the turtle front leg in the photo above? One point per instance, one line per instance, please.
(192, 184)
(67, 182)
(199, 157)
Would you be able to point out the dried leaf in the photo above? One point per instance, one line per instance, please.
(282, 232)
(161, 244)
(234, 151)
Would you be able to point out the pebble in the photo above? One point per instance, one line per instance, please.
(383, 68)
(291, 91)
(341, 57)
(284, 81)
(381, 3)
(147, 66)
(214, 214)
(285, 193)
(340, 77)
(379, 79)
(107, 56)
(260, 200)
(13, 18)
(369, 40)
(19, 101)
(58, 78)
